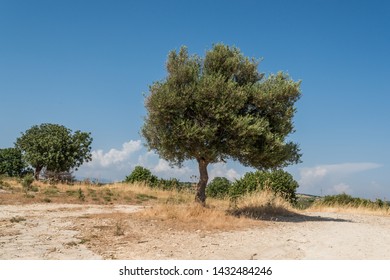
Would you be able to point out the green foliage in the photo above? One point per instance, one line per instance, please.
(27, 182)
(81, 194)
(347, 200)
(170, 184)
(11, 162)
(218, 108)
(142, 175)
(218, 187)
(221, 107)
(71, 192)
(305, 201)
(52, 191)
(54, 147)
(279, 181)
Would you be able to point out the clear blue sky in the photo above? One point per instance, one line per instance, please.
(86, 65)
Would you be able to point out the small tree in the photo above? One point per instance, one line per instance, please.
(54, 147)
(221, 107)
(11, 162)
(141, 174)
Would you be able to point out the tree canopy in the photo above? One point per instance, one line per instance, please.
(54, 147)
(11, 162)
(221, 107)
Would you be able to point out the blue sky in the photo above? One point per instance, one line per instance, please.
(87, 64)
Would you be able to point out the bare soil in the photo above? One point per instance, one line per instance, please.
(74, 231)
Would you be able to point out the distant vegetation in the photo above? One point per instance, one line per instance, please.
(279, 183)
(143, 175)
(345, 200)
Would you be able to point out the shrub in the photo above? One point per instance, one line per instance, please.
(27, 182)
(349, 201)
(141, 174)
(340, 199)
(170, 184)
(284, 184)
(278, 181)
(81, 194)
(218, 187)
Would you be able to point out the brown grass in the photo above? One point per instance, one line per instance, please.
(193, 217)
(172, 209)
(263, 205)
(220, 214)
(119, 193)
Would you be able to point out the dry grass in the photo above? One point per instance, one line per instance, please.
(173, 209)
(348, 204)
(193, 217)
(220, 214)
(119, 193)
(263, 205)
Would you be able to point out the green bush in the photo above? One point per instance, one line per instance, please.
(81, 194)
(12, 162)
(279, 181)
(27, 182)
(170, 184)
(218, 187)
(142, 175)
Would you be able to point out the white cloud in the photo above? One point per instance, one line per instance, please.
(165, 170)
(114, 156)
(321, 177)
(340, 188)
(113, 165)
(221, 170)
(311, 175)
(116, 163)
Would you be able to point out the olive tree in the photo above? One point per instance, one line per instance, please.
(221, 107)
(54, 147)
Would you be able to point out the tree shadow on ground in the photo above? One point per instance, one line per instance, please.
(279, 214)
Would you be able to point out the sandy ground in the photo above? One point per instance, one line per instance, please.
(63, 231)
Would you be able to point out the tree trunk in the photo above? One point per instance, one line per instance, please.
(200, 196)
(38, 170)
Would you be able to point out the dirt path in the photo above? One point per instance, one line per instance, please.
(46, 231)
(60, 231)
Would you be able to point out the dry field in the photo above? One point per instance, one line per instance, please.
(135, 222)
